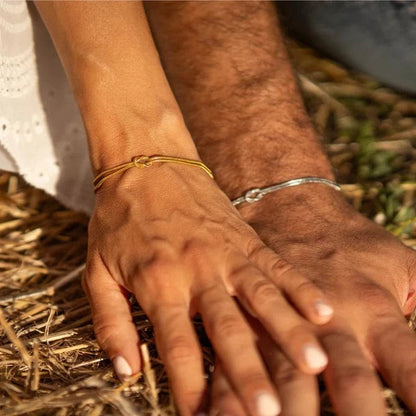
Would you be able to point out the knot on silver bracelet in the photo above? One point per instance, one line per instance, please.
(253, 195)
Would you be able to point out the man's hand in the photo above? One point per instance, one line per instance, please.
(230, 72)
(357, 387)
(366, 272)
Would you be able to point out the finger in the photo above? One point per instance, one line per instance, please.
(292, 333)
(298, 391)
(351, 381)
(234, 344)
(180, 351)
(112, 320)
(223, 400)
(305, 295)
(393, 345)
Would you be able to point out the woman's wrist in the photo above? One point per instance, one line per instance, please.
(118, 139)
(124, 118)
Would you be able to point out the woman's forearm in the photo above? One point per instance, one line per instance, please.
(115, 73)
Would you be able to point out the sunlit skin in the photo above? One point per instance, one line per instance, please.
(169, 234)
(231, 75)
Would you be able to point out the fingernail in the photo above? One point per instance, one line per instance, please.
(323, 308)
(122, 368)
(314, 356)
(267, 405)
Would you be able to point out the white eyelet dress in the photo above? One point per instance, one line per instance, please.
(41, 132)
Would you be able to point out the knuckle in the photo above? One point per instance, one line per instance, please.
(202, 254)
(298, 333)
(179, 349)
(157, 268)
(306, 287)
(370, 290)
(193, 248)
(194, 396)
(167, 314)
(253, 377)
(287, 375)
(229, 325)
(208, 295)
(375, 296)
(254, 247)
(241, 271)
(263, 292)
(280, 267)
(338, 335)
(105, 332)
(354, 377)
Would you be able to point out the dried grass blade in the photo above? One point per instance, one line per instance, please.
(15, 340)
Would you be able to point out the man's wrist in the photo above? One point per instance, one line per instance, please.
(257, 166)
(300, 209)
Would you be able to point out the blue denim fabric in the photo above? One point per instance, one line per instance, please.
(375, 37)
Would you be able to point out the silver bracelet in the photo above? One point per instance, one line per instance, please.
(255, 194)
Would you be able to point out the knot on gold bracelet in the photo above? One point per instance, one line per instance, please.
(143, 161)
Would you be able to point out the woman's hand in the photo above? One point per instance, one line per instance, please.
(368, 274)
(172, 238)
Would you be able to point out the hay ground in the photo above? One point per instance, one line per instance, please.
(50, 363)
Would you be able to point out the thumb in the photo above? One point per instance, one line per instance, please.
(112, 320)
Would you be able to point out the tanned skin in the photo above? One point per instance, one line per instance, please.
(169, 234)
(229, 70)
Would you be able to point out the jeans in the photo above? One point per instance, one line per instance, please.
(374, 37)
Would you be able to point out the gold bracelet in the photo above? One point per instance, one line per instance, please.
(145, 162)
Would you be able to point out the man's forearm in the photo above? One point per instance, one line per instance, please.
(228, 67)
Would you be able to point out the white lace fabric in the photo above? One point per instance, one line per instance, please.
(41, 132)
